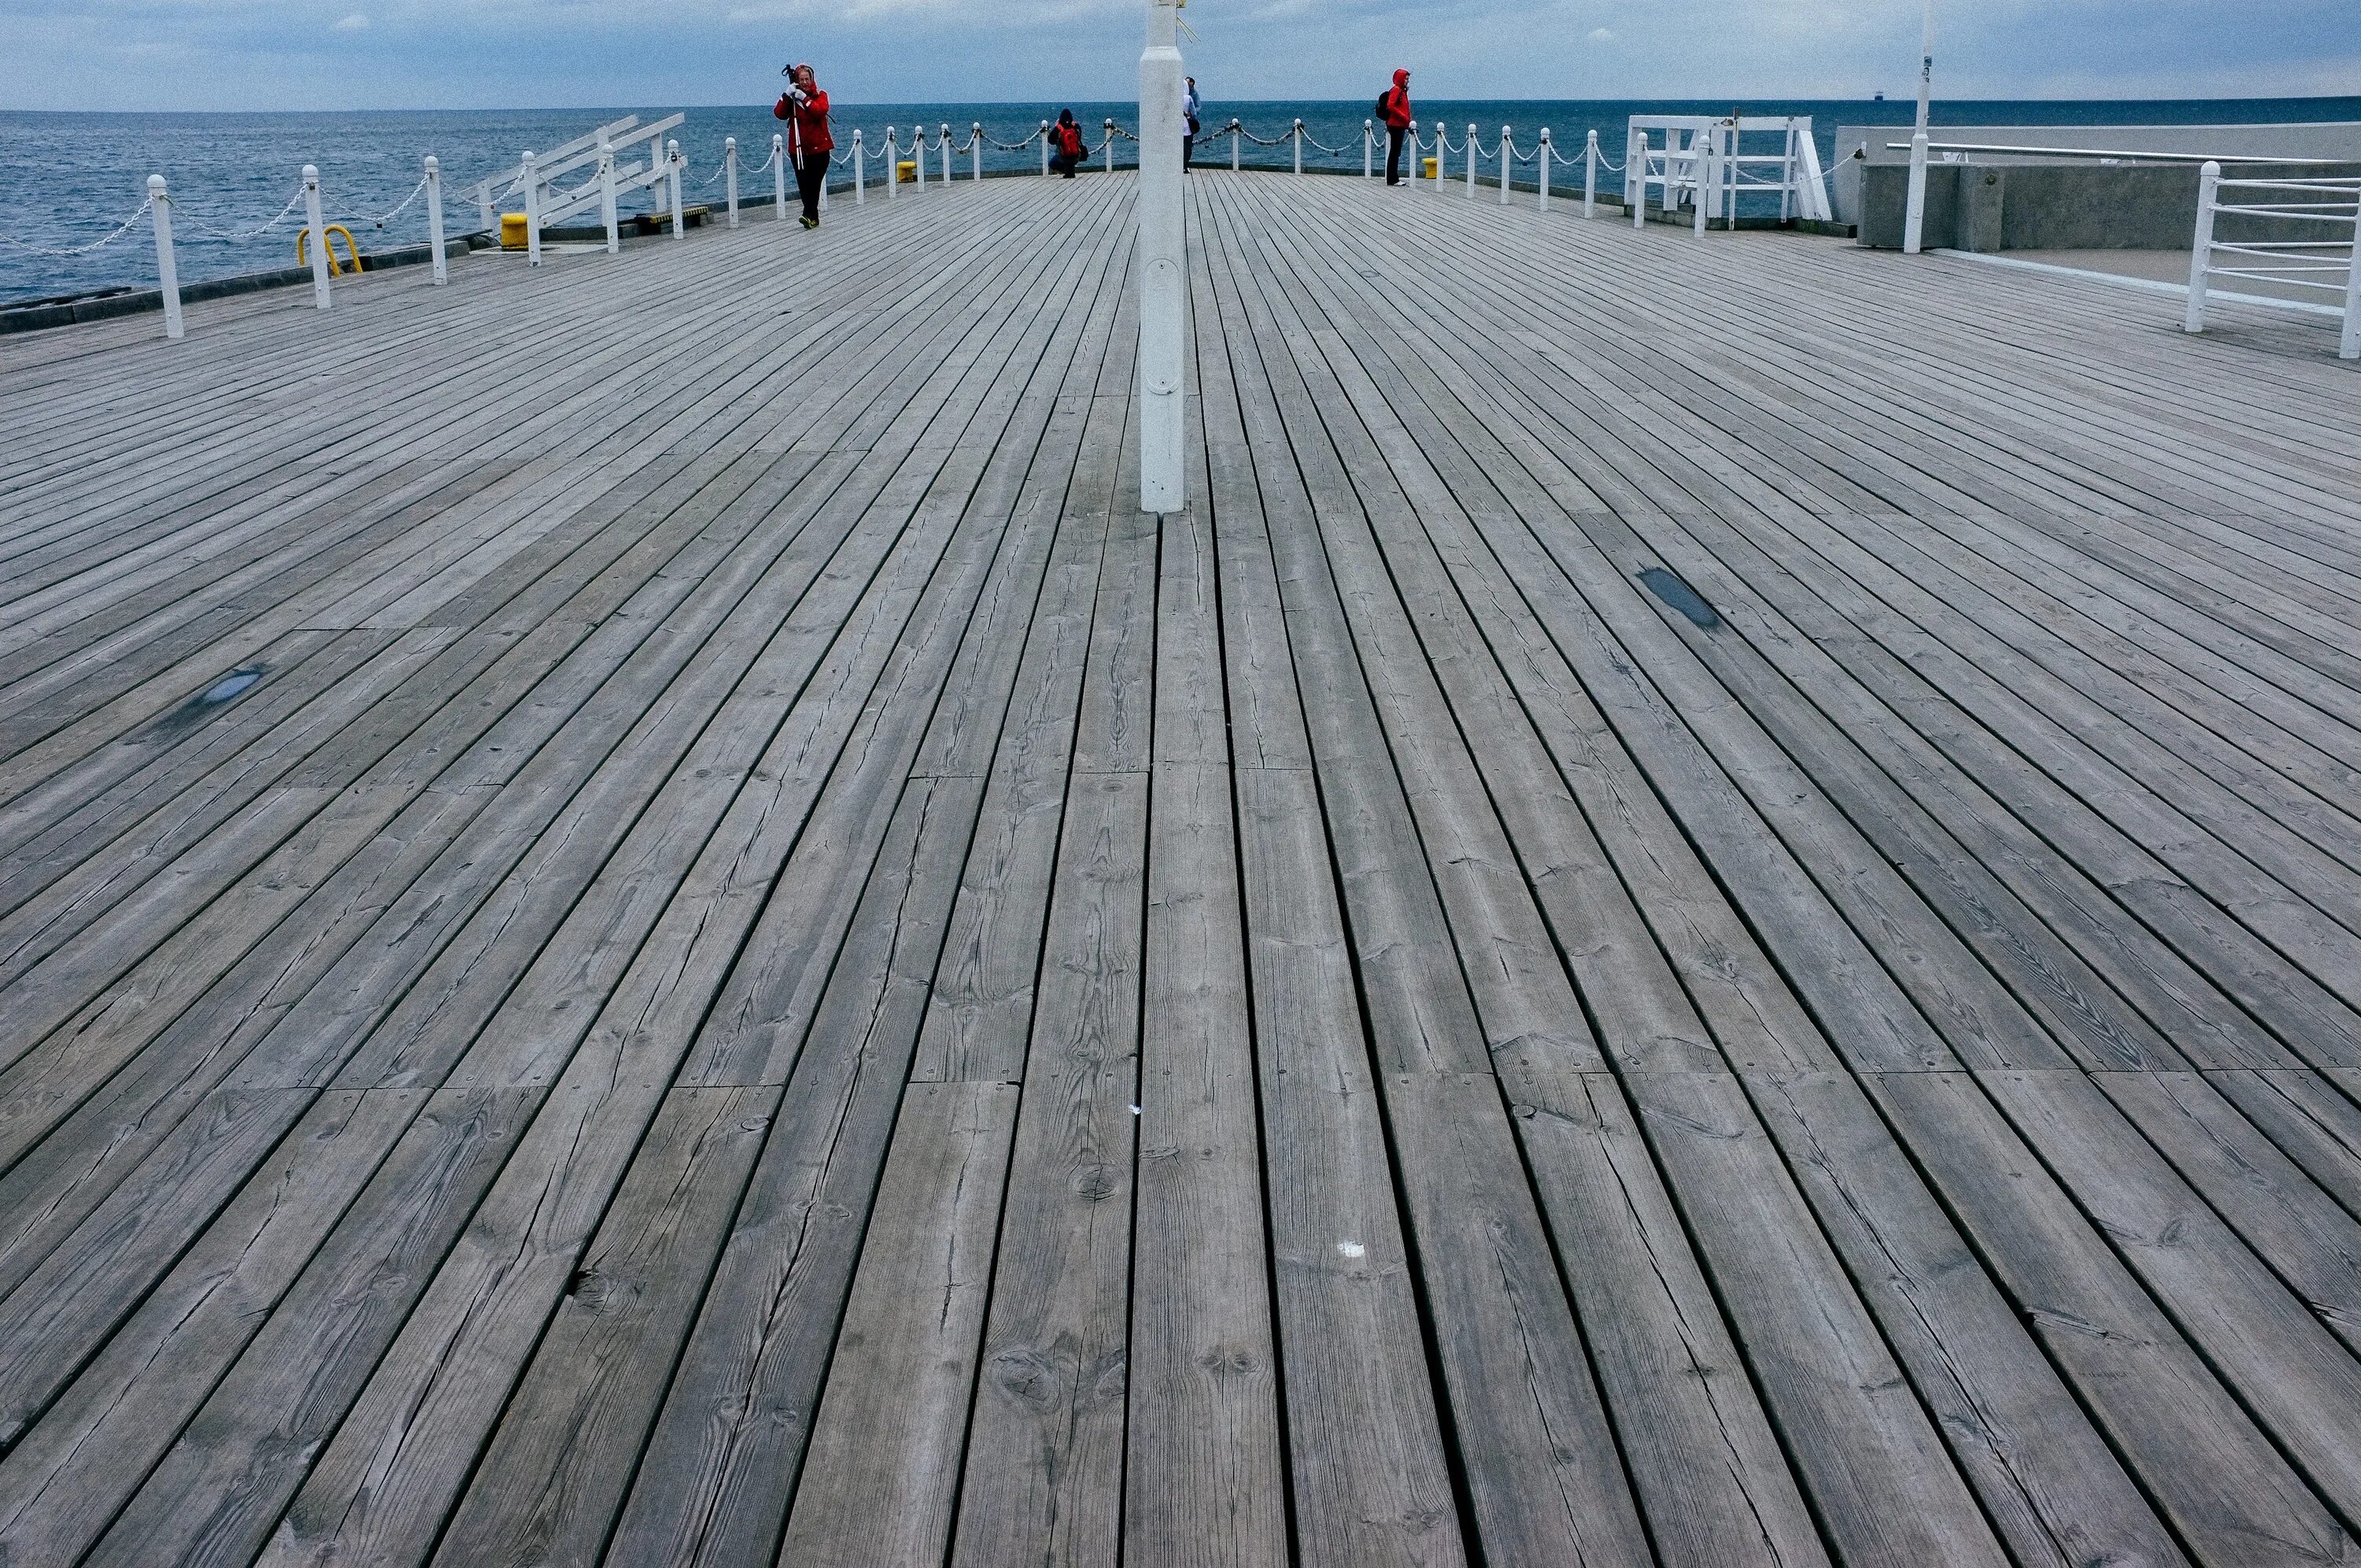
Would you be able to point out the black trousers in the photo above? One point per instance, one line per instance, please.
(1066, 163)
(1188, 149)
(1393, 155)
(811, 174)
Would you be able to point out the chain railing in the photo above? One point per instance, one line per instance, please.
(547, 202)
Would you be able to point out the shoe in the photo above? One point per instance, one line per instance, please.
(809, 223)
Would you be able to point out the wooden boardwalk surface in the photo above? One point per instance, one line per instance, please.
(1707, 910)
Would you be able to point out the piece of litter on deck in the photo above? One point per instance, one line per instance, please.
(1135, 1110)
(229, 685)
(1351, 1249)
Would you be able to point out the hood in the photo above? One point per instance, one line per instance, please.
(1401, 81)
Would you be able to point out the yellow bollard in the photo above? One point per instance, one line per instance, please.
(906, 171)
(1434, 166)
(512, 235)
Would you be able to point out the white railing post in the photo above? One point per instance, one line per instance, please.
(2348, 343)
(975, 151)
(893, 165)
(167, 274)
(606, 196)
(441, 265)
(1541, 162)
(1045, 150)
(1368, 149)
(1786, 180)
(730, 175)
(2201, 251)
(1163, 257)
(1298, 134)
(779, 174)
(319, 233)
(1700, 148)
(531, 212)
(1411, 139)
(671, 186)
(1590, 176)
(485, 211)
(918, 159)
(1109, 143)
(1471, 159)
(1504, 166)
(1914, 216)
(1635, 175)
(1235, 129)
(945, 137)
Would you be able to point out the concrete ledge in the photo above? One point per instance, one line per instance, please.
(106, 304)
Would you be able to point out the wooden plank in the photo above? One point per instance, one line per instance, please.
(883, 1469)
(1044, 1465)
(1364, 1445)
(1204, 1461)
(730, 1434)
(547, 1482)
(289, 1380)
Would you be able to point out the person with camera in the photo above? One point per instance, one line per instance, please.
(804, 108)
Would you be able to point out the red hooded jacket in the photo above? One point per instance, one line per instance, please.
(808, 124)
(1398, 102)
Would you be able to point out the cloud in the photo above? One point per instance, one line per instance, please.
(288, 54)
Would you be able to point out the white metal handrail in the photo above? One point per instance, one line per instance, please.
(2331, 265)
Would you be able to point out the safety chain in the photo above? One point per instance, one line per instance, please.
(120, 230)
(202, 230)
(415, 192)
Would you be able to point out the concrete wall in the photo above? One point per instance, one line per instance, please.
(2338, 139)
(2054, 206)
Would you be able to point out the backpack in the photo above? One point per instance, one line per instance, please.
(1383, 99)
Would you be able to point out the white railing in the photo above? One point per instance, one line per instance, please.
(1679, 166)
(2324, 255)
(547, 208)
(593, 170)
(1793, 171)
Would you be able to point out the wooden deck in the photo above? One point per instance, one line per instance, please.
(768, 971)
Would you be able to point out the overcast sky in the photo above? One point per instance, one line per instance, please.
(304, 54)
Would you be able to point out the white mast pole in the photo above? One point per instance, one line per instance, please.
(1914, 220)
(1163, 321)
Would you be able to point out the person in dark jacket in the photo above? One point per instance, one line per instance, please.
(804, 108)
(1066, 148)
(1395, 109)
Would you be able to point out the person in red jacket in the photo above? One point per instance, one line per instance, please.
(1066, 148)
(804, 108)
(1394, 109)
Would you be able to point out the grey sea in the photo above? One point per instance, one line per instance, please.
(78, 176)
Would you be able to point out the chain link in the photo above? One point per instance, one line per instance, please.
(203, 230)
(120, 230)
(399, 207)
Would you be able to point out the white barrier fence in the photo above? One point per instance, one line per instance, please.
(1696, 154)
(2323, 254)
